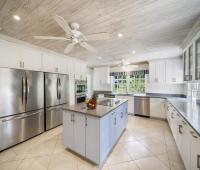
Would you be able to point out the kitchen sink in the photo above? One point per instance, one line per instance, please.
(109, 102)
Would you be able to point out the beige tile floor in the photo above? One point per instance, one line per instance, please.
(147, 144)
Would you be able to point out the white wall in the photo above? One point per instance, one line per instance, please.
(165, 88)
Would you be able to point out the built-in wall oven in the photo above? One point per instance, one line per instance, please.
(80, 91)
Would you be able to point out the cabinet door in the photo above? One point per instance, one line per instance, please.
(185, 150)
(152, 72)
(68, 129)
(125, 111)
(9, 57)
(79, 133)
(50, 63)
(160, 71)
(157, 108)
(113, 132)
(77, 70)
(93, 138)
(71, 68)
(32, 59)
(62, 65)
(197, 59)
(195, 151)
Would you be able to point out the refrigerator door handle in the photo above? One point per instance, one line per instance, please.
(19, 117)
(22, 90)
(26, 89)
(59, 89)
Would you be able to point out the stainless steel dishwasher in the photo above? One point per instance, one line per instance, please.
(142, 106)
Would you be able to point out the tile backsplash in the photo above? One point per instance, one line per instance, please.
(193, 90)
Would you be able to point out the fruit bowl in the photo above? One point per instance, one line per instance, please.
(91, 104)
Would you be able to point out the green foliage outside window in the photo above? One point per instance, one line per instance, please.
(129, 84)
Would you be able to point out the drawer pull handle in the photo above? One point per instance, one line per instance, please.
(198, 161)
(193, 134)
(179, 129)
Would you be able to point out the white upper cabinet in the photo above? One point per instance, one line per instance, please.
(50, 63)
(166, 71)
(174, 71)
(157, 71)
(53, 63)
(9, 55)
(32, 59)
(13, 56)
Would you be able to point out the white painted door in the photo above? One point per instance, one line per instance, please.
(9, 55)
(152, 72)
(113, 131)
(32, 59)
(77, 70)
(160, 72)
(195, 151)
(105, 137)
(50, 63)
(185, 150)
(68, 133)
(93, 138)
(157, 108)
(79, 133)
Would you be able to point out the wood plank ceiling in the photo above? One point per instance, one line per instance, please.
(153, 28)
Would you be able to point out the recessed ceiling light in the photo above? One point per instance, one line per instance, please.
(16, 17)
(99, 57)
(133, 52)
(120, 35)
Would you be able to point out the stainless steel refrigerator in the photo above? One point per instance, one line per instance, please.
(21, 105)
(56, 95)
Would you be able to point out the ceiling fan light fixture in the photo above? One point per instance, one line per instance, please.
(133, 52)
(120, 35)
(17, 17)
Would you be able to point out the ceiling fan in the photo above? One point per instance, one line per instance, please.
(75, 37)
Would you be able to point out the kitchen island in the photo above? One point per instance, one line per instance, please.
(93, 133)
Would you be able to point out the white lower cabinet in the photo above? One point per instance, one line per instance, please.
(94, 137)
(194, 151)
(79, 133)
(157, 108)
(188, 142)
(74, 136)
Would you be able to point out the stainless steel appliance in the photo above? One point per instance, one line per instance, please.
(56, 95)
(142, 106)
(21, 105)
(80, 91)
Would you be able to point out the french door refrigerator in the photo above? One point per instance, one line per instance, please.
(56, 95)
(21, 105)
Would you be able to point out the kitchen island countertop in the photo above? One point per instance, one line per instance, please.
(100, 111)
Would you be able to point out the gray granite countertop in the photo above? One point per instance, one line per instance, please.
(100, 110)
(189, 110)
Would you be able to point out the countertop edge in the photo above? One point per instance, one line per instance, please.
(68, 109)
(183, 117)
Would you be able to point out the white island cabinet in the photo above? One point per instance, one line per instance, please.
(94, 136)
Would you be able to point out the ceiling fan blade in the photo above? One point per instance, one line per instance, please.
(51, 38)
(69, 47)
(88, 47)
(98, 36)
(63, 24)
